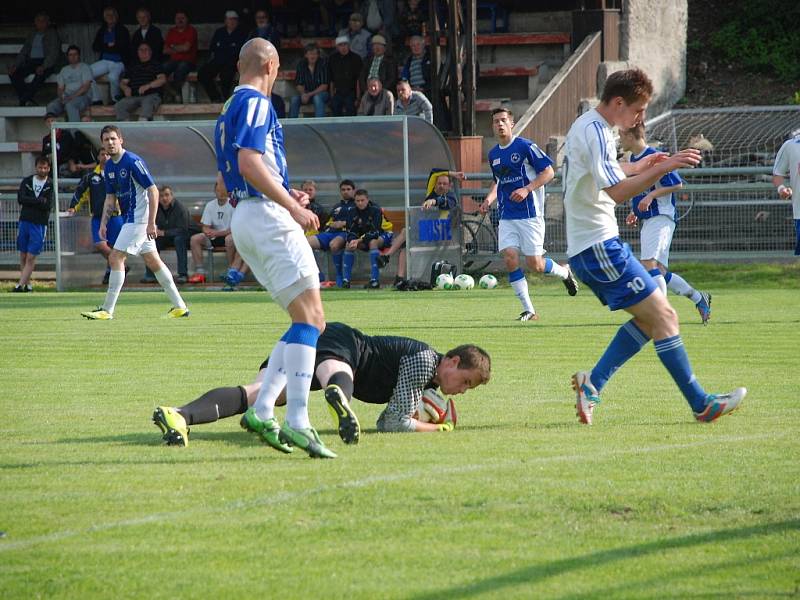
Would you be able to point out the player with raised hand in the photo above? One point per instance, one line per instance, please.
(386, 369)
(521, 170)
(655, 210)
(130, 186)
(267, 228)
(787, 164)
(594, 183)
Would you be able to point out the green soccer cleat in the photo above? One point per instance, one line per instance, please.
(98, 314)
(307, 439)
(346, 420)
(172, 425)
(267, 430)
(177, 313)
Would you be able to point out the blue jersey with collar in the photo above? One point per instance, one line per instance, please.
(515, 166)
(128, 179)
(663, 205)
(248, 120)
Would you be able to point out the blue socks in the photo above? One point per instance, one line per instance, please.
(349, 259)
(337, 263)
(373, 261)
(625, 344)
(673, 355)
(548, 265)
(516, 275)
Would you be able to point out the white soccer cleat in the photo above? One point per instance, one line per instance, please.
(719, 405)
(586, 396)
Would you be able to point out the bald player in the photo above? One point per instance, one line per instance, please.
(267, 228)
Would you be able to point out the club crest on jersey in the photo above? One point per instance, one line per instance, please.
(515, 157)
(123, 173)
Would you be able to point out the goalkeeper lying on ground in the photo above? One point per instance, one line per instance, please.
(387, 370)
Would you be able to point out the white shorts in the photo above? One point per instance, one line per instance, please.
(275, 248)
(656, 238)
(525, 234)
(132, 239)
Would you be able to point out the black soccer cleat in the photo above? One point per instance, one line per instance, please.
(571, 283)
(346, 420)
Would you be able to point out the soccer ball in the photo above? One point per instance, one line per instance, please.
(488, 282)
(463, 282)
(433, 408)
(444, 282)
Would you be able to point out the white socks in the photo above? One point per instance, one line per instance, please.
(298, 383)
(115, 281)
(164, 277)
(520, 287)
(274, 381)
(680, 286)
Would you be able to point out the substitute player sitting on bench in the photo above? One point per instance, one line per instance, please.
(367, 230)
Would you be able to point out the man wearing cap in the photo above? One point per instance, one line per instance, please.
(224, 46)
(344, 67)
(358, 36)
(379, 65)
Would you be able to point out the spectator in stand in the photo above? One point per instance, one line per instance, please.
(379, 65)
(411, 21)
(141, 85)
(224, 47)
(74, 85)
(358, 36)
(149, 33)
(411, 103)
(92, 190)
(311, 82)
(331, 9)
(40, 56)
(174, 227)
(83, 158)
(112, 42)
(264, 29)
(417, 68)
(377, 101)
(35, 196)
(180, 51)
(368, 230)
(216, 224)
(65, 145)
(344, 67)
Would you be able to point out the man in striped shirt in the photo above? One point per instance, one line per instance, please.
(311, 81)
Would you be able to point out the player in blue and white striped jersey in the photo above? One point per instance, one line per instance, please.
(129, 185)
(267, 228)
(655, 209)
(594, 183)
(521, 170)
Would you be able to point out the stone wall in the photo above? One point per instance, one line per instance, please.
(653, 38)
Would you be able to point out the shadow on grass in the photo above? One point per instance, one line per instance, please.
(536, 573)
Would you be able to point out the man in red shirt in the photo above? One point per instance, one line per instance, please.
(180, 53)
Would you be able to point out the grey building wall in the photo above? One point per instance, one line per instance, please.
(653, 38)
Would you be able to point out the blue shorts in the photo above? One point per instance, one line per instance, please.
(112, 230)
(363, 243)
(30, 237)
(613, 274)
(326, 237)
(797, 242)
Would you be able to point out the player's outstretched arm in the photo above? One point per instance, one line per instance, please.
(630, 186)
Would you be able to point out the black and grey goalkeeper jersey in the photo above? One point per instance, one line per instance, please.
(388, 370)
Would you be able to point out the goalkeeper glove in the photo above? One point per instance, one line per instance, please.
(446, 426)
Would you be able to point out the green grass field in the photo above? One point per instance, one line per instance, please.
(519, 501)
